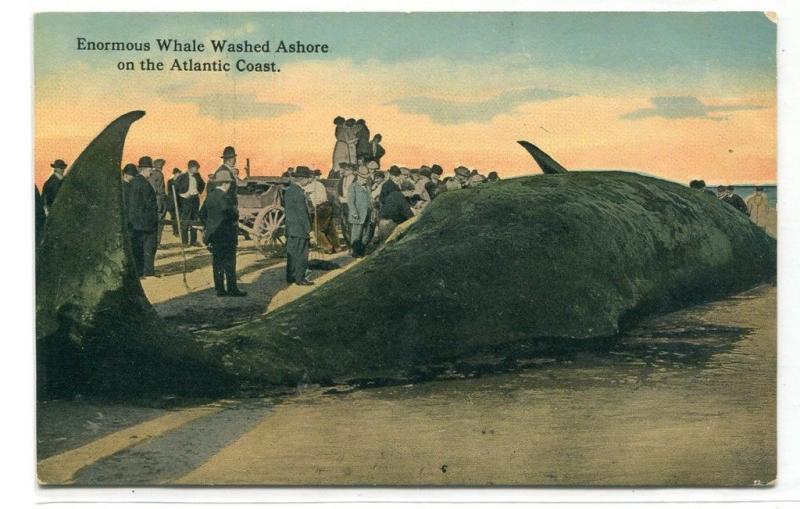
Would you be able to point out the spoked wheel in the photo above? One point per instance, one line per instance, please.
(270, 230)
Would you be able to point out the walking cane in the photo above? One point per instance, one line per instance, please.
(180, 234)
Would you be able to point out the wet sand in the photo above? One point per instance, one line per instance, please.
(688, 399)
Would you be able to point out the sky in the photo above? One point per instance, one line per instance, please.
(676, 95)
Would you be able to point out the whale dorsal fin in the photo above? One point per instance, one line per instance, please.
(545, 162)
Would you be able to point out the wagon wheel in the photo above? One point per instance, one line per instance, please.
(270, 230)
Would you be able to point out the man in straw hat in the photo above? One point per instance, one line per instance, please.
(53, 184)
(359, 204)
(220, 219)
(298, 226)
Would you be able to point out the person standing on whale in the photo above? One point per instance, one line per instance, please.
(341, 151)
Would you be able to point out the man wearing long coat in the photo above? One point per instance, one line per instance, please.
(359, 203)
(142, 222)
(298, 226)
(53, 184)
(220, 219)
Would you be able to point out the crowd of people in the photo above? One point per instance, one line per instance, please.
(755, 206)
(368, 204)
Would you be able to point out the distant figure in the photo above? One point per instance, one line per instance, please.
(462, 175)
(220, 219)
(392, 184)
(421, 186)
(436, 186)
(351, 137)
(700, 185)
(157, 181)
(189, 186)
(493, 177)
(341, 150)
(735, 200)
(143, 218)
(53, 184)
(39, 216)
(173, 213)
(298, 226)
(395, 210)
(324, 226)
(377, 149)
(347, 177)
(758, 207)
(359, 201)
(228, 166)
(363, 147)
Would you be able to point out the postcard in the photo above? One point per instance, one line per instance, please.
(406, 249)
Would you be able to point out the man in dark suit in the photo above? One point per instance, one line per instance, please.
(140, 202)
(228, 167)
(220, 219)
(391, 184)
(53, 184)
(189, 186)
(298, 226)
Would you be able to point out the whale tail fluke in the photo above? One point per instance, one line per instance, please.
(545, 162)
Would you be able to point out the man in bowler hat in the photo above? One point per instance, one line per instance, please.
(228, 167)
(220, 219)
(53, 184)
(142, 211)
(298, 226)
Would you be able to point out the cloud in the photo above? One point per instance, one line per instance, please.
(447, 111)
(686, 107)
(230, 107)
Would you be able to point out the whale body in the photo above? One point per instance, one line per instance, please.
(562, 257)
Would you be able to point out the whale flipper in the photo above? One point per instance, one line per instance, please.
(545, 162)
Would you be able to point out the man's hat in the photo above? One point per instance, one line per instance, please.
(720, 187)
(193, 164)
(317, 173)
(130, 169)
(379, 173)
(175, 170)
(59, 163)
(303, 172)
(159, 163)
(494, 176)
(145, 162)
(437, 169)
(463, 171)
(223, 176)
(394, 171)
(228, 152)
(373, 165)
(425, 171)
(362, 171)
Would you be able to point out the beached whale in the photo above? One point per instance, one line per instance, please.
(563, 256)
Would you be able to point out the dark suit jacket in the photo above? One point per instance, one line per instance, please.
(298, 224)
(232, 190)
(378, 153)
(50, 189)
(220, 219)
(142, 206)
(736, 201)
(388, 188)
(181, 183)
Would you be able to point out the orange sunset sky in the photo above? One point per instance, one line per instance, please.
(679, 96)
